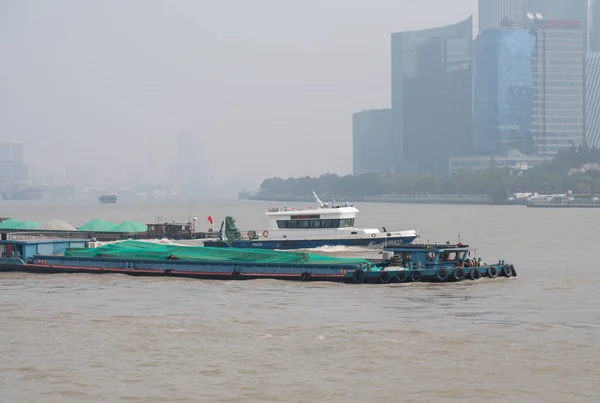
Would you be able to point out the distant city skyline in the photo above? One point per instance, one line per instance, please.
(247, 79)
(110, 85)
(527, 76)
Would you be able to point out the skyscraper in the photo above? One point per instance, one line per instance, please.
(431, 97)
(13, 171)
(493, 13)
(372, 141)
(503, 91)
(11, 151)
(190, 173)
(595, 26)
(559, 61)
(593, 100)
(559, 73)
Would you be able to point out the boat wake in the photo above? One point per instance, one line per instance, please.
(342, 249)
(163, 241)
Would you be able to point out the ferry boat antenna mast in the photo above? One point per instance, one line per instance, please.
(317, 199)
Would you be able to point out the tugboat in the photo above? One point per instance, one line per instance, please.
(438, 263)
(108, 198)
(294, 228)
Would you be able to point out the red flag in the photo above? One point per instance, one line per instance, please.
(210, 220)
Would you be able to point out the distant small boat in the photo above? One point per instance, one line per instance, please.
(564, 201)
(23, 193)
(108, 198)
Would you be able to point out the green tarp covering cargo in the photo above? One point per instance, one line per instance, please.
(155, 251)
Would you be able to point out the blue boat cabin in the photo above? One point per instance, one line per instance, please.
(24, 249)
(431, 256)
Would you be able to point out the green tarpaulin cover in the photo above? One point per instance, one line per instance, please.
(150, 250)
(131, 226)
(11, 223)
(98, 225)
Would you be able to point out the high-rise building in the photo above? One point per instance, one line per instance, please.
(494, 13)
(559, 74)
(595, 26)
(13, 171)
(11, 151)
(558, 63)
(431, 97)
(189, 173)
(593, 100)
(372, 141)
(503, 91)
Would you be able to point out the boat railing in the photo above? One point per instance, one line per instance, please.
(282, 209)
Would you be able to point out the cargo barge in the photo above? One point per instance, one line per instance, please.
(174, 231)
(410, 263)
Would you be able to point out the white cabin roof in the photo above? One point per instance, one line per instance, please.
(325, 211)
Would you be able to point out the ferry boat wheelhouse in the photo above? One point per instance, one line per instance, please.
(297, 228)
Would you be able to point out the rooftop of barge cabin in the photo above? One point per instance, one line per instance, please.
(38, 241)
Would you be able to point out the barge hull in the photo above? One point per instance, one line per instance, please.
(48, 269)
(345, 275)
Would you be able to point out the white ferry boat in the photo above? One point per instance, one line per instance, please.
(297, 228)
(564, 201)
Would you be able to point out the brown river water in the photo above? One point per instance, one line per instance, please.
(115, 338)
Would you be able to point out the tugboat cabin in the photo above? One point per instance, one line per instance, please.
(175, 231)
(430, 256)
(169, 229)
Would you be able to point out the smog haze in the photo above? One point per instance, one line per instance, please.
(266, 87)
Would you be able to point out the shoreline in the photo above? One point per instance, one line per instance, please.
(458, 199)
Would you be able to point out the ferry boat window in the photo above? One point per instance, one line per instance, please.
(431, 256)
(347, 222)
(331, 223)
(311, 223)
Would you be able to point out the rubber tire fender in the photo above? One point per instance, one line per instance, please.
(402, 276)
(359, 276)
(459, 274)
(441, 274)
(416, 276)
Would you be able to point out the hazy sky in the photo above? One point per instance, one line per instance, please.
(268, 87)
